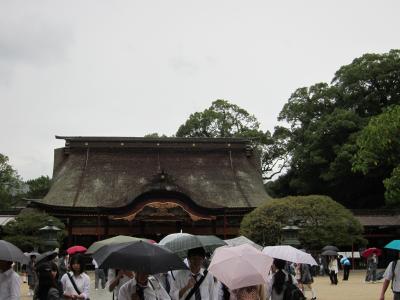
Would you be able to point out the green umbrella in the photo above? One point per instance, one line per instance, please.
(119, 239)
(180, 243)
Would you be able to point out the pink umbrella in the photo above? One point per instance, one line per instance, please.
(76, 249)
(240, 266)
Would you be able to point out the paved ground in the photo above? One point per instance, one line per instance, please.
(354, 289)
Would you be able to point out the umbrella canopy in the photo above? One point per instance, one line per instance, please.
(329, 253)
(240, 266)
(180, 243)
(33, 253)
(395, 245)
(76, 249)
(119, 239)
(138, 256)
(330, 247)
(10, 252)
(370, 251)
(240, 240)
(290, 253)
(46, 256)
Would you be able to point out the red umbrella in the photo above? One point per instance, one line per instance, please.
(76, 249)
(370, 251)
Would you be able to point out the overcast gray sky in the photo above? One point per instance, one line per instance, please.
(127, 68)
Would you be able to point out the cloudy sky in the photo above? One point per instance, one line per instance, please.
(127, 68)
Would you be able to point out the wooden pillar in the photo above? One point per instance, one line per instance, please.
(225, 221)
(98, 227)
(69, 227)
(214, 227)
(106, 225)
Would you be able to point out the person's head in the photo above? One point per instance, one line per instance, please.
(5, 265)
(33, 257)
(77, 264)
(340, 256)
(279, 264)
(141, 278)
(54, 269)
(196, 259)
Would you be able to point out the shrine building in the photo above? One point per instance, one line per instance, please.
(151, 187)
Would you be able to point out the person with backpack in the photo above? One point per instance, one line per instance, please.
(392, 273)
(282, 286)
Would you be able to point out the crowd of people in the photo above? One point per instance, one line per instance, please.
(67, 279)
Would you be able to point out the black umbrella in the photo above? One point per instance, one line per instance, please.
(9, 252)
(138, 256)
(329, 252)
(329, 247)
(46, 257)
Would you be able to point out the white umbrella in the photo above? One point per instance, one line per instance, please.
(240, 240)
(240, 266)
(290, 253)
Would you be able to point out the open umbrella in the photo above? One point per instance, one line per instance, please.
(240, 266)
(10, 252)
(370, 251)
(290, 253)
(46, 257)
(76, 249)
(119, 239)
(180, 243)
(33, 253)
(138, 256)
(329, 253)
(330, 247)
(240, 240)
(395, 245)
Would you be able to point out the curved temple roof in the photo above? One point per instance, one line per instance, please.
(112, 172)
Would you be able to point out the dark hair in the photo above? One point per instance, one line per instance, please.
(77, 259)
(46, 280)
(196, 252)
(279, 276)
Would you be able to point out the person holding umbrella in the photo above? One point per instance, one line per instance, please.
(32, 276)
(10, 282)
(142, 288)
(333, 269)
(193, 284)
(392, 273)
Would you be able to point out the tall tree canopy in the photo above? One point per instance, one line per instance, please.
(324, 123)
(10, 183)
(224, 119)
(379, 151)
(322, 222)
(38, 187)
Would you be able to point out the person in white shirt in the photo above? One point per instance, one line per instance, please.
(185, 280)
(80, 278)
(141, 287)
(116, 279)
(394, 276)
(10, 283)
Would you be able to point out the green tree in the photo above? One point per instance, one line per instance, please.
(322, 222)
(324, 123)
(224, 119)
(10, 183)
(24, 230)
(379, 151)
(38, 188)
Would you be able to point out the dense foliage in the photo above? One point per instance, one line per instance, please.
(10, 183)
(324, 124)
(24, 230)
(322, 222)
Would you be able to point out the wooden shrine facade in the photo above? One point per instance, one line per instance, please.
(145, 187)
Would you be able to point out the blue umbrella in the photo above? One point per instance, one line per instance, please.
(395, 245)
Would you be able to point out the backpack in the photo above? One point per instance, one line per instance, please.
(292, 292)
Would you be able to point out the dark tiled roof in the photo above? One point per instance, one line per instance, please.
(379, 220)
(114, 171)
